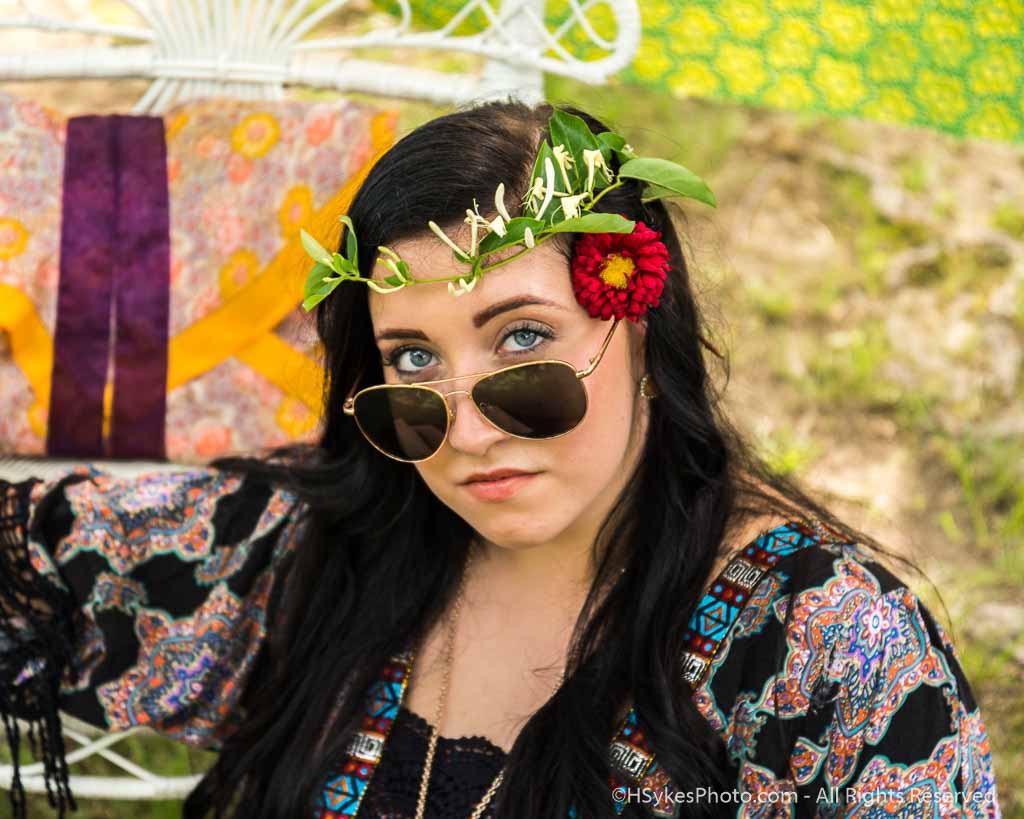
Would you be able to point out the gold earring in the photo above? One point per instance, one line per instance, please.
(643, 387)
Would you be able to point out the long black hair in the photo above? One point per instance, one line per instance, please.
(379, 556)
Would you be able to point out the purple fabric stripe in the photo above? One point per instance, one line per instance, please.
(82, 336)
(142, 274)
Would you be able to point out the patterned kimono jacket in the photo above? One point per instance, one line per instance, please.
(170, 577)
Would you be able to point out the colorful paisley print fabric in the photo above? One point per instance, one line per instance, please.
(838, 694)
(833, 689)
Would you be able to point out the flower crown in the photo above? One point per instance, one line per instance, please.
(617, 270)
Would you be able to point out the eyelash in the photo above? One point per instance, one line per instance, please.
(533, 327)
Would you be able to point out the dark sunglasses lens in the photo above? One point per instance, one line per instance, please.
(405, 422)
(539, 400)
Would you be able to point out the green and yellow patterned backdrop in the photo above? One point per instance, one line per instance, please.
(955, 65)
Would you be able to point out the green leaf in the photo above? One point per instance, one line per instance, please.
(668, 176)
(612, 140)
(318, 293)
(611, 146)
(321, 288)
(594, 223)
(313, 247)
(311, 301)
(316, 273)
(614, 144)
(343, 265)
(574, 133)
(515, 231)
(394, 280)
(652, 192)
(351, 244)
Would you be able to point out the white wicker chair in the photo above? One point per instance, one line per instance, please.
(254, 49)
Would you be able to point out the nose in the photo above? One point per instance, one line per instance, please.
(452, 402)
(468, 430)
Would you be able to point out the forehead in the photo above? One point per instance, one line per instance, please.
(543, 272)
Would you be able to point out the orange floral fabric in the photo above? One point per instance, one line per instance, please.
(243, 178)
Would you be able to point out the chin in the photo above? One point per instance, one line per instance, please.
(515, 531)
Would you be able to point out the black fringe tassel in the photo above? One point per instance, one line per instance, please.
(36, 627)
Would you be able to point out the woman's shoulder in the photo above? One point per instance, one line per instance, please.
(130, 519)
(807, 558)
(833, 592)
(807, 585)
(829, 647)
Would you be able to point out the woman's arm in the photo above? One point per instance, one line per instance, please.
(135, 601)
(904, 729)
(840, 695)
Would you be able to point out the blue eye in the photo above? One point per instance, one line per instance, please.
(519, 335)
(524, 334)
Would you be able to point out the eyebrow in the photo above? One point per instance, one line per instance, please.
(479, 319)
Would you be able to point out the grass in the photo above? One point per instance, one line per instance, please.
(155, 753)
(1010, 218)
(873, 239)
(993, 663)
(787, 452)
(845, 369)
(775, 306)
(990, 473)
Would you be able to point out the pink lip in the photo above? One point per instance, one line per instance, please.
(500, 489)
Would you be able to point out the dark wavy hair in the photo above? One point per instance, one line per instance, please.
(379, 558)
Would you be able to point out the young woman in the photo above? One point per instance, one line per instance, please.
(561, 589)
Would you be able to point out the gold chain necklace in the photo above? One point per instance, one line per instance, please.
(442, 704)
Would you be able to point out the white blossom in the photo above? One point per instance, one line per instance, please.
(444, 238)
(462, 287)
(536, 191)
(594, 159)
(383, 288)
(549, 185)
(528, 237)
(571, 205)
(498, 226)
(473, 220)
(564, 159)
(394, 268)
(499, 204)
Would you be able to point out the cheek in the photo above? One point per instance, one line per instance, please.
(594, 450)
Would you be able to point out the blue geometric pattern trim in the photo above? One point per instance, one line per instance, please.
(719, 609)
(342, 795)
(384, 699)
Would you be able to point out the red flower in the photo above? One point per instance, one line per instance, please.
(619, 274)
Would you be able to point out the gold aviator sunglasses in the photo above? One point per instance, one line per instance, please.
(533, 400)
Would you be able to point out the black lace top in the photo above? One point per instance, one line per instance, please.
(464, 768)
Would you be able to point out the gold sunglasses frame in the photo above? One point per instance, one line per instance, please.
(350, 401)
